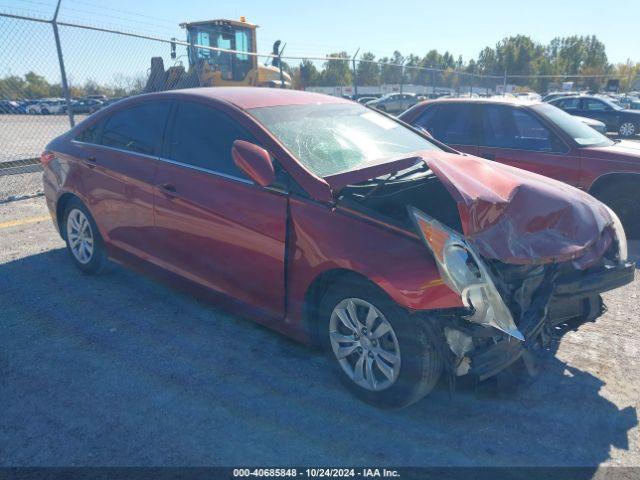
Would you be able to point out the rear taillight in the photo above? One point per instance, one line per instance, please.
(46, 157)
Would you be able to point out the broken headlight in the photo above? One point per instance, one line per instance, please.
(465, 273)
(621, 237)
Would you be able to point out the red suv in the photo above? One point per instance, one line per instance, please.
(540, 138)
(337, 225)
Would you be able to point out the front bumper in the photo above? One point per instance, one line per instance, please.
(553, 304)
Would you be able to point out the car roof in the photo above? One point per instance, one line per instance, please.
(255, 97)
(493, 100)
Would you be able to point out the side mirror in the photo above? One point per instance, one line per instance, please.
(254, 161)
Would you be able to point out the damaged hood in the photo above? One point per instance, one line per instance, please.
(520, 217)
(510, 214)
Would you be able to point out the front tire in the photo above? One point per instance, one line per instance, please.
(381, 354)
(84, 243)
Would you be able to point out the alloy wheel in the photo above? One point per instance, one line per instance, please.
(80, 236)
(364, 343)
(627, 129)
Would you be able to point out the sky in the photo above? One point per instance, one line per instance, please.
(462, 27)
(317, 28)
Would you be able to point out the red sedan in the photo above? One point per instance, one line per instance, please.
(337, 225)
(540, 138)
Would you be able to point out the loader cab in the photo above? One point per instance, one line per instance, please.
(227, 34)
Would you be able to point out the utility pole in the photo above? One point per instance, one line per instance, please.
(63, 73)
(355, 74)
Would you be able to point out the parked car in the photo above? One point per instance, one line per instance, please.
(335, 224)
(598, 126)
(394, 102)
(629, 102)
(111, 100)
(370, 96)
(617, 119)
(553, 95)
(365, 100)
(47, 106)
(86, 105)
(26, 106)
(543, 139)
(530, 96)
(9, 107)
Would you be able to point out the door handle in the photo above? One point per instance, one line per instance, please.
(90, 161)
(168, 190)
(488, 156)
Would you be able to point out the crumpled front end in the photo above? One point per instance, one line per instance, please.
(510, 308)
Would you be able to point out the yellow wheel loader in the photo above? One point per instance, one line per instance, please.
(216, 68)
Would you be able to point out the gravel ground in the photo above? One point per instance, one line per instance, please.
(21, 185)
(121, 370)
(24, 136)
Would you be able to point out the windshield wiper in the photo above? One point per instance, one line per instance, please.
(393, 176)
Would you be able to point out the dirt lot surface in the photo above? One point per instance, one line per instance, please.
(121, 370)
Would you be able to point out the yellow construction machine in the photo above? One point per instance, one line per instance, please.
(218, 68)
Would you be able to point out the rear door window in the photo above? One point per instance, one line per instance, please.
(202, 137)
(509, 127)
(137, 129)
(568, 103)
(451, 123)
(594, 105)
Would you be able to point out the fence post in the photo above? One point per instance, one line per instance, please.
(63, 73)
(504, 84)
(355, 74)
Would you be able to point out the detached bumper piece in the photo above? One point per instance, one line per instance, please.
(553, 303)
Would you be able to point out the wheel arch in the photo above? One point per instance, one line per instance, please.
(614, 178)
(61, 205)
(316, 291)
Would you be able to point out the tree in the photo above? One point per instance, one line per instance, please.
(628, 73)
(391, 71)
(11, 87)
(515, 55)
(368, 73)
(36, 86)
(309, 75)
(336, 72)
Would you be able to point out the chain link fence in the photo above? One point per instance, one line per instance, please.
(49, 82)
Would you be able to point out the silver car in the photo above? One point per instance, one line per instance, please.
(394, 102)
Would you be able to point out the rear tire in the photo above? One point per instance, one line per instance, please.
(627, 129)
(623, 199)
(84, 243)
(405, 352)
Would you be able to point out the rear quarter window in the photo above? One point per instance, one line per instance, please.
(136, 129)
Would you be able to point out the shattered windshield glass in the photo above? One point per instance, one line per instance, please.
(334, 138)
